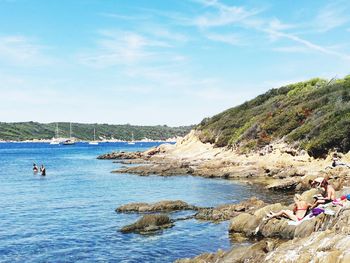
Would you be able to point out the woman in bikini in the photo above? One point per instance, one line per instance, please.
(299, 211)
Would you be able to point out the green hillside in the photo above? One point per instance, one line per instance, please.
(313, 115)
(35, 130)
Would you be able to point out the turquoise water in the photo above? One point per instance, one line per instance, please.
(68, 216)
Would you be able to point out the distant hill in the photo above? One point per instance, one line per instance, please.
(313, 115)
(34, 130)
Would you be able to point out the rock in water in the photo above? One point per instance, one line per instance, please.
(162, 206)
(148, 224)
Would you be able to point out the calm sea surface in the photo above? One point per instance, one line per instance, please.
(68, 216)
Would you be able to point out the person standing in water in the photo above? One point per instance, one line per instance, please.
(35, 168)
(43, 170)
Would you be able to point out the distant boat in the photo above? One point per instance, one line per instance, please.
(55, 139)
(71, 140)
(132, 139)
(94, 142)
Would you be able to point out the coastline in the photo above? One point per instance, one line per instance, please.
(170, 140)
(277, 168)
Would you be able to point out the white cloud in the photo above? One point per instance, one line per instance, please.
(121, 48)
(276, 24)
(20, 50)
(165, 34)
(230, 39)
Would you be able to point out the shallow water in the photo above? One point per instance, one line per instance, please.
(68, 216)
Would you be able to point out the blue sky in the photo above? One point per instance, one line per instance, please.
(168, 62)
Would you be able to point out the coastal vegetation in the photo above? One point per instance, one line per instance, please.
(313, 115)
(20, 131)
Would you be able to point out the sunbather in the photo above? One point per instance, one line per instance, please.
(329, 192)
(336, 162)
(299, 211)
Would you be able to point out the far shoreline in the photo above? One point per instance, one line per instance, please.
(87, 141)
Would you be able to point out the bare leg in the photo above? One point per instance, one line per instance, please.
(286, 213)
(318, 202)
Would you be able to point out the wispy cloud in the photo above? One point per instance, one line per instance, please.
(164, 33)
(125, 17)
(121, 48)
(332, 15)
(306, 43)
(230, 39)
(274, 28)
(23, 51)
(291, 49)
(225, 15)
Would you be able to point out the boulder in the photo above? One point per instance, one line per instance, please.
(287, 173)
(148, 224)
(288, 184)
(244, 223)
(307, 196)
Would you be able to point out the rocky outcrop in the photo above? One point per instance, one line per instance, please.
(226, 212)
(158, 169)
(253, 225)
(255, 253)
(326, 242)
(136, 155)
(284, 185)
(121, 155)
(162, 206)
(148, 224)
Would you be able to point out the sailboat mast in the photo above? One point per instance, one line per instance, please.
(56, 130)
(70, 130)
(94, 135)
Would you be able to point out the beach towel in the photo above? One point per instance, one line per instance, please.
(295, 223)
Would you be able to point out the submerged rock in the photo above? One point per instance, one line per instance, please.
(148, 224)
(162, 206)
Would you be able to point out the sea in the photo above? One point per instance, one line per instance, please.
(69, 215)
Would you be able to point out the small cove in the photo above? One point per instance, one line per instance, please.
(69, 215)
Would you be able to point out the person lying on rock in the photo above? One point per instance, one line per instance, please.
(299, 211)
(329, 192)
(336, 162)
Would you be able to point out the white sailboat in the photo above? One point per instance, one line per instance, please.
(94, 142)
(55, 139)
(132, 139)
(71, 140)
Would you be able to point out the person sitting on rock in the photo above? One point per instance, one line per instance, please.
(299, 211)
(329, 193)
(336, 162)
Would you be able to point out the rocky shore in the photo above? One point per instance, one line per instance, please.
(278, 167)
